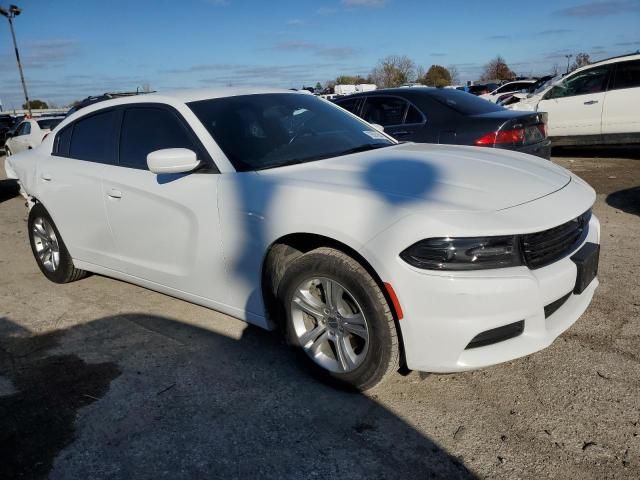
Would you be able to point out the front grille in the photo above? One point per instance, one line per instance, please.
(542, 248)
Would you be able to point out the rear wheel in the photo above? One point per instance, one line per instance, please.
(49, 250)
(339, 320)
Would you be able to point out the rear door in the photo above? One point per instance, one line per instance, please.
(69, 185)
(621, 113)
(400, 119)
(575, 105)
(165, 226)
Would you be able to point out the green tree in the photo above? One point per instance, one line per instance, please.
(437, 76)
(350, 80)
(318, 86)
(497, 69)
(35, 105)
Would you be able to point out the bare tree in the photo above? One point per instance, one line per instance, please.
(146, 87)
(393, 71)
(455, 74)
(582, 59)
(555, 70)
(497, 69)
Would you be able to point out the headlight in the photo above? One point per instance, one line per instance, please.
(478, 253)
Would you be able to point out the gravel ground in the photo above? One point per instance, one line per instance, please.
(102, 379)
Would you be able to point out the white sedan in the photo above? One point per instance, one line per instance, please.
(287, 211)
(508, 89)
(30, 133)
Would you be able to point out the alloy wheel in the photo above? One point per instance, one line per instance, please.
(330, 325)
(46, 244)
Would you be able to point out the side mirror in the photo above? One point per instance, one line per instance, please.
(172, 160)
(378, 127)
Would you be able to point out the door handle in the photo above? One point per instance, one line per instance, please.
(113, 193)
(46, 177)
(591, 102)
(400, 133)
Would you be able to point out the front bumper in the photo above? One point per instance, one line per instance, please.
(445, 311)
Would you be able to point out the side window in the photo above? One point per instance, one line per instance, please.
(627, 75)
(94, 138)
(385, 111)
(592, 80)
(63, 141)
(146, 129)
(350, 104)
(413, 115)
(23, 129)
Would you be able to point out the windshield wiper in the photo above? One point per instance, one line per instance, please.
(363, 148)
(296, 161)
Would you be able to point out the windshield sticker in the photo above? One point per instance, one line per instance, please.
(374, 134)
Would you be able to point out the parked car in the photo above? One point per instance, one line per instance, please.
(594, 105)
(30, 133)
(283, 209)
(508, 89)
(6, 124)
(482, 88)
(535, 89)
(438, 115)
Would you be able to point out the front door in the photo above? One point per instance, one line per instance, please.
(166, 227)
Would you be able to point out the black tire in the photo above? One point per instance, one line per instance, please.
(65, 271)
(382, 357)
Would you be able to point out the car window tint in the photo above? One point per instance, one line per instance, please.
(24, 129)
(147, 129)
(350, 104)
(413, 115)
(627, 75)
(94, 138)
(592, 80)
(384, 111)
(63, 140)
(463, 102)
(49, 123)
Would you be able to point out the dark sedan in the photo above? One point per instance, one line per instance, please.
(442, 115)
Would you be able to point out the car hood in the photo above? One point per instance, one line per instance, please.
(443, 177)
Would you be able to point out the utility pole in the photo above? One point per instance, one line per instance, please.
(568, 57)
(11, 14)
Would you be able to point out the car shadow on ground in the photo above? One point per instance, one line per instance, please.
(8, 190)
(143, 396)
(627, 200)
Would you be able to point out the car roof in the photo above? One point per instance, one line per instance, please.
(607, 61)
(195, 95)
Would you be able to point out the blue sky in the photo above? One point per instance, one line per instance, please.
(75, 48)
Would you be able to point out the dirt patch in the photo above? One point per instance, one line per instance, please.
(38, 419)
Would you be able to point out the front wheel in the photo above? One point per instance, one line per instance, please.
(339, 319)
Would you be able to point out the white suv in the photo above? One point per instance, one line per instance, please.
(594, 105)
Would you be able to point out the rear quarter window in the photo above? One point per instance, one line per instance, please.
(627, 75)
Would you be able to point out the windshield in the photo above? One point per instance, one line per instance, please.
(276, 129)
(49, 123)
